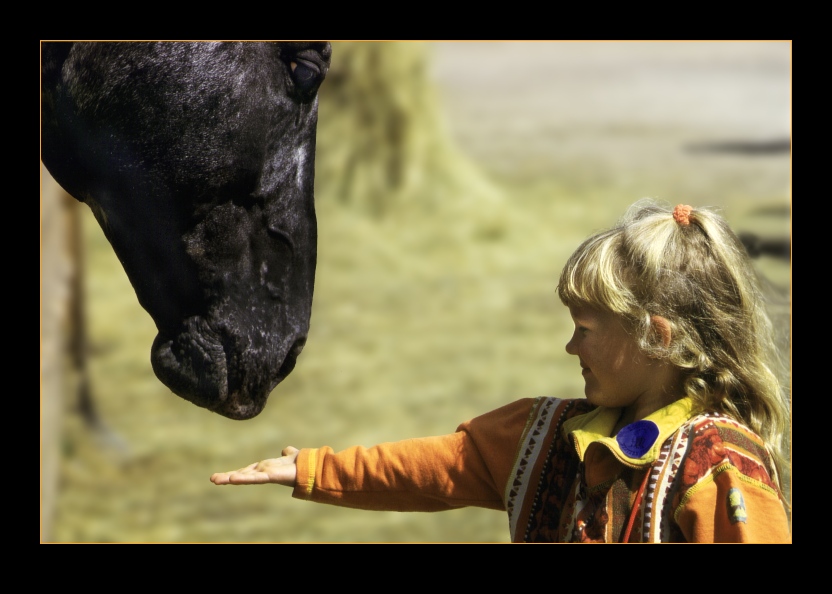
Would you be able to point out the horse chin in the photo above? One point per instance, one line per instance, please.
(234, 408)
(241, 406)
(194, 366)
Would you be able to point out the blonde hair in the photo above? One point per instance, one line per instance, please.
(696, 274)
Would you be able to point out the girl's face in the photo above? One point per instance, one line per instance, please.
(616, 372)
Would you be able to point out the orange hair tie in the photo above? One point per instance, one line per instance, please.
(681, 214)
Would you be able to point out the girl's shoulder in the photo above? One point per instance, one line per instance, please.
(725, 486)
(714, 443)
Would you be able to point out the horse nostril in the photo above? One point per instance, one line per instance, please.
(291, 357)
(279, 234)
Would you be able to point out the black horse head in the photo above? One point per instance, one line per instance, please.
(197, 160)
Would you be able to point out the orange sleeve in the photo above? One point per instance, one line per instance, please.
(730, 507)
(467, 468)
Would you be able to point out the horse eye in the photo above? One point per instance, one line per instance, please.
(305, 74)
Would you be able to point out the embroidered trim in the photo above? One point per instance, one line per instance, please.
(536, 428)
(657, 526)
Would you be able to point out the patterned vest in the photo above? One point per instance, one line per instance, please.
(547, 496)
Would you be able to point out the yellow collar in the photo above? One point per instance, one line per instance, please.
(636, 444)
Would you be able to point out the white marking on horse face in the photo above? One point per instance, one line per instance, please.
(264, 268)
(300, 159)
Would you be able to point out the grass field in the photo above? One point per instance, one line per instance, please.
(421, 320)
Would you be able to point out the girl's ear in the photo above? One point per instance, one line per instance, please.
(662, 327)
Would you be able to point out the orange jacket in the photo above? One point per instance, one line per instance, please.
(551, 464)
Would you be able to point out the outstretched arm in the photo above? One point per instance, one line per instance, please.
(281, 471)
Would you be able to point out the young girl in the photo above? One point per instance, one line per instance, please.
(681, 436)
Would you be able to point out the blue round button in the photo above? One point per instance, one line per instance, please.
(637, 438)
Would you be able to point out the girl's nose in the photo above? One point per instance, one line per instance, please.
(570, 346)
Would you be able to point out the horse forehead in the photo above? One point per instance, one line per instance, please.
(156, 60)
(199, 113)
(228, 78)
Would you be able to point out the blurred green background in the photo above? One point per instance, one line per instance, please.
(453, 181)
